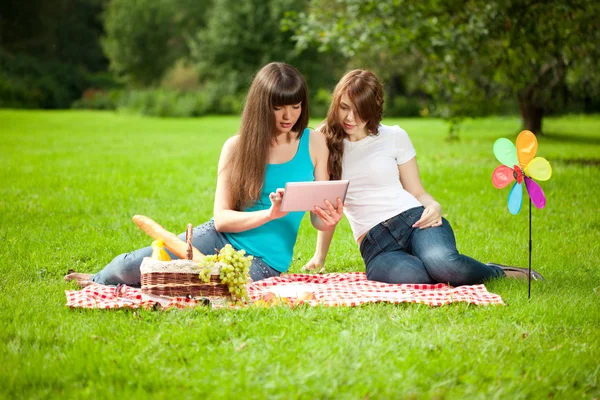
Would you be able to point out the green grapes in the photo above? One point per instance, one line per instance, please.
(233, 268)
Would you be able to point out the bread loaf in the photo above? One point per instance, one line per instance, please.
(171, 241)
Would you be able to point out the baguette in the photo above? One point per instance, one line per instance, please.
(170, 240)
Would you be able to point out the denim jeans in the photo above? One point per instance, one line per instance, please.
(125, 268)
(395, 252)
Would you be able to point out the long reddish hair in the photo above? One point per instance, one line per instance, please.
(365, 91)
(276, 84)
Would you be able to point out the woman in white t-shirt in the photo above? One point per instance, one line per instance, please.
(398, 226)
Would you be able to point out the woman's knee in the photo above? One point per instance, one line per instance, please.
(206, 238)
(440, 256)
(124, 268)
(259, 270)
(393, 267)
(443, 264)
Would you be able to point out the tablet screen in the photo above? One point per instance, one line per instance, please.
(304, 196)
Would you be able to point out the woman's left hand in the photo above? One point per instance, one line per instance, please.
(431, 217)
(332, 215)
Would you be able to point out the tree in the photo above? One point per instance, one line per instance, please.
(146, 37)
(468, 53)
(65, 31)
(241, 37)
(137, 39)
(49, 51)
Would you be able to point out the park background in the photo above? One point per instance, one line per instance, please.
(110, 108)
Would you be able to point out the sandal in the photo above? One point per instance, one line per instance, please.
(536, 276)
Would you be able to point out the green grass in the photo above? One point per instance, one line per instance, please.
(72, 180)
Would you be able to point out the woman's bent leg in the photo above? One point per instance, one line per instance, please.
(385, 256)
(206, 239)
(125, 268)
(436, 248)
(209, 241)
(397, 267)
(260, 270)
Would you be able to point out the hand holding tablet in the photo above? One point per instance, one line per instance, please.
(304, 196)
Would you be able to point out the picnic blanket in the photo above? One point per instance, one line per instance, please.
(335, 289)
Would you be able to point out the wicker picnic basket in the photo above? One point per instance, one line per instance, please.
(179, 278)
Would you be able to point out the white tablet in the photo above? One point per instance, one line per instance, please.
(304, 196)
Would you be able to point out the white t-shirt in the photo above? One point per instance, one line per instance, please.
(375, 193)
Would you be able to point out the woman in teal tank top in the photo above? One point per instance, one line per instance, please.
(279, 233)
(272, 147)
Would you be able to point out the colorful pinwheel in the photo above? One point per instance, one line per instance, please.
(519, 164)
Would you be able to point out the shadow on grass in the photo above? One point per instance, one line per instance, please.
(578, 162)
(570, 138)
(560, 138)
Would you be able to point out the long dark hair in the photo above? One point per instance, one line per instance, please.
(276, 84)
(365, 91)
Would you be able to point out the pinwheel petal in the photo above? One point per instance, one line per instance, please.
(536, 194)
(526, 147)
(502, 176)
(539, 169)
(505, 152)
(515, 198)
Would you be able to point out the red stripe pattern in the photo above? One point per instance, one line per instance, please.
(336, 289)
(354, 289)
(109, 297)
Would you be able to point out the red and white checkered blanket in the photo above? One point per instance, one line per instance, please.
(337, 289)
(100, 296)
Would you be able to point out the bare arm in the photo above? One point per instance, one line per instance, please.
(318, 260)
(329, 213)
(226, 218)
(411, 181)
(327, 216)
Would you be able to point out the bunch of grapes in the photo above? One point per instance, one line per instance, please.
(233, 268)
(206, 266)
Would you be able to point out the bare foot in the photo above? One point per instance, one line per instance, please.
(82, 280)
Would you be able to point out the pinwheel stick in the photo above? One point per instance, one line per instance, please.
(520, 164)
(530, 246)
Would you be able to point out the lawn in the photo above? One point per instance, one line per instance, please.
(72, 180)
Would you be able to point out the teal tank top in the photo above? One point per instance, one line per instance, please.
(274, 241)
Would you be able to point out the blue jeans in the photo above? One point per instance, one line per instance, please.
(395, 252)
(125, 268)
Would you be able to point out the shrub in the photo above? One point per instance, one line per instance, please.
(97, 99)
(402, 106)
(28, 82)
(319, 104)
(163, 103)
(181, 77)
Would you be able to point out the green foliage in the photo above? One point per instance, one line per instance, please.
(402, 106)
(102, 80)
(583, 83)
(320, 103)
(137, 39)
(466, 53)
(65, 31)
(145, 37)
(76, 178)
(164, 103)
(94, 99)
(27, 82)
(241, 37)
(181, 76)
(50, 52)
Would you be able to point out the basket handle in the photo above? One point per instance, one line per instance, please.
(188, 238)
